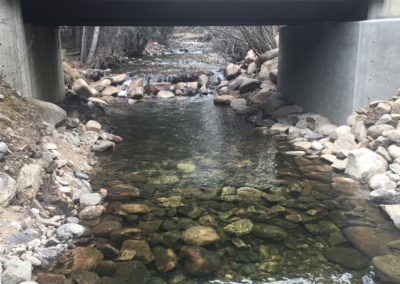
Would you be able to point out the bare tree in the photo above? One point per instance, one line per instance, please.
(93, 46)
(233, 42)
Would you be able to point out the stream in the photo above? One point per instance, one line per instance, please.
(196, 196)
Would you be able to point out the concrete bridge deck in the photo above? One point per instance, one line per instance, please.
(191, 12)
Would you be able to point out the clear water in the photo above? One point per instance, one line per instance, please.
(223, 150)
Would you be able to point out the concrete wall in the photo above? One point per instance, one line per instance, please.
(379, 9)
(30, 56)
(334, 69)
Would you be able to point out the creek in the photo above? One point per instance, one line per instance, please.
(219, 203)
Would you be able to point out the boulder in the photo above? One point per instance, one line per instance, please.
(165, 95)
(364, 163)
(251, 56)
(248, 85)
(392, 135)
(85, 258)
(81, 88)
(118, 79)
(7, 189)
(381, 181)
(232, 71)
(224, 100)
(200, 235)
(268, 55)
(261, 97)
(72, 230)
(90, 199)
(370, 241)
(136, 89)
(200, 261)
(359, 130)
(154, 88)
(49, 112)
(3, 150)
(101, 84)
(16, 271)
(266, 68)
(377, 130)
(28, 182)
(93, 125)
(388, 267)
(385, 196)
(103, 146)
(110, 91)
(252, 68)
(91, 212)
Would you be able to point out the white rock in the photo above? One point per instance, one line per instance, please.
(315, 145)
(381, 181)
(302, 145)
(340, 165)
(329, 158)
(16, 271)
(376, 130)
(344, 143)
(165, 95)
(93, 125)
(364, 163)
(392, 135)
(7, 189)
(342, 130)
(232, 71)
(71, 230)
(394, 151)
(394, 213)
(89, 199)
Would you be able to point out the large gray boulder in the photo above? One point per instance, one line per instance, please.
(49, 112)
(364, 163)
(232, 71)
(3, 150)
(7, 189)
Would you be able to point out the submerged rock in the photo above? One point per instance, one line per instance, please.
(346, 257)
(239, 228)
(142, 249)
(200, 261)
(388, 267)
(85, 258)
(71, 230)
(200, 235)
(269, 232)
(371, 241)
(164, 259)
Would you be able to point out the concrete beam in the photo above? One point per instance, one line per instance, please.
(379, 9)
(334, 69)
(191, 12)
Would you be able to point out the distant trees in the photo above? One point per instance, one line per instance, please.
(232, 43)
(99, 47)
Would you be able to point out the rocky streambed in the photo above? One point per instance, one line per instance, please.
(195, 195)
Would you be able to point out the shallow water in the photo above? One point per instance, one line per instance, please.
(190, 149)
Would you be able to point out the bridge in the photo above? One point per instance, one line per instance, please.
(335, 55)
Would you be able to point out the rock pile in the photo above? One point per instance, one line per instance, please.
(45, 191)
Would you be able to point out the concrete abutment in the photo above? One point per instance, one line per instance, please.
(335, 68)
(30, 55)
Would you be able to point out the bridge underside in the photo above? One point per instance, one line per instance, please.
(191, 12)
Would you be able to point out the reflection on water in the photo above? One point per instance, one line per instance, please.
(197, 164)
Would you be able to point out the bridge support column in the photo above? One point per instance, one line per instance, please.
(336, 68)
(30, 55)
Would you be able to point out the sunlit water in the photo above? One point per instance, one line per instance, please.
(220, 149)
